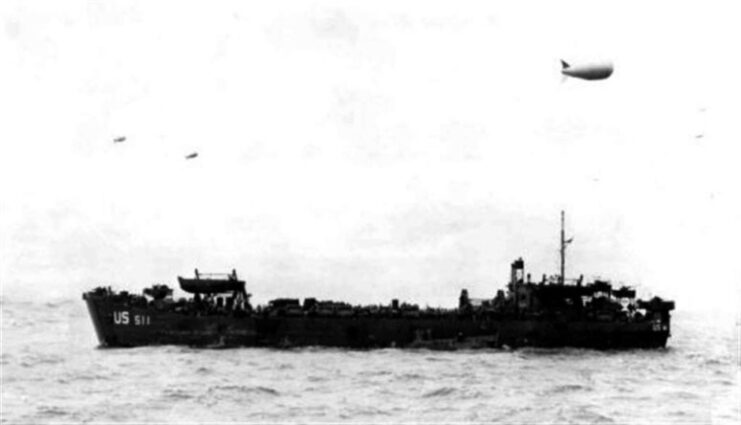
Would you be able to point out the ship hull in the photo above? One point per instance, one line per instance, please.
(123, 325)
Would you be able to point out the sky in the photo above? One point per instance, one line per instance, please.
(364, 151)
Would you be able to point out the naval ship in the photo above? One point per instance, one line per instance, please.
(552, 312)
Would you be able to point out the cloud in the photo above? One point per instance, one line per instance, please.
(334, 24)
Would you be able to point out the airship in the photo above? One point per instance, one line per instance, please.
(119, 139)
(191, 156)
(587, 71)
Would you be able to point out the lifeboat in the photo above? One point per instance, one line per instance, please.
(212, 283)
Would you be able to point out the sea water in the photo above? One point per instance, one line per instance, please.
(54, 372)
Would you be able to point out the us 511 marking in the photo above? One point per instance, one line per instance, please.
(122, 318)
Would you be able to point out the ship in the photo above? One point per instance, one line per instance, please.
(552, 312)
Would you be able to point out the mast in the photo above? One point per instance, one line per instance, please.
(562, 279)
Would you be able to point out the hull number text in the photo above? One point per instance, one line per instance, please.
(124, 318)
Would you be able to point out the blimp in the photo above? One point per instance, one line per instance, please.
(587, 71)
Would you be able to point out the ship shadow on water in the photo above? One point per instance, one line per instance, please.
(523, 352)
(578, 352)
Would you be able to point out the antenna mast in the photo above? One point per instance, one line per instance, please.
(562, 278)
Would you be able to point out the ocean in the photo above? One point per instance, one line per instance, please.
(53, 372)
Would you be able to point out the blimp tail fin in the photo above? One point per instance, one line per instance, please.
(564, 65)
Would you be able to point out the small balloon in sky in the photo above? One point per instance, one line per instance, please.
(587, 71)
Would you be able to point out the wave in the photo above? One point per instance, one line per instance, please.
(585, 414)
(14, 302)
(177, 394)
(568, 388)
(374, 372)
(245, 389)
(51, 411)
(714, 362)
(411, 376)
(59, 303)
(87, 376)
(437, 359)
(368, 411)
(38, 359)
(317, 378)
(440, 392)
(684, 395)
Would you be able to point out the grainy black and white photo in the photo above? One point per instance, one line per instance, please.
(330, 212)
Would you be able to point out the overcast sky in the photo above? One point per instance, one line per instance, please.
(369, 150)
